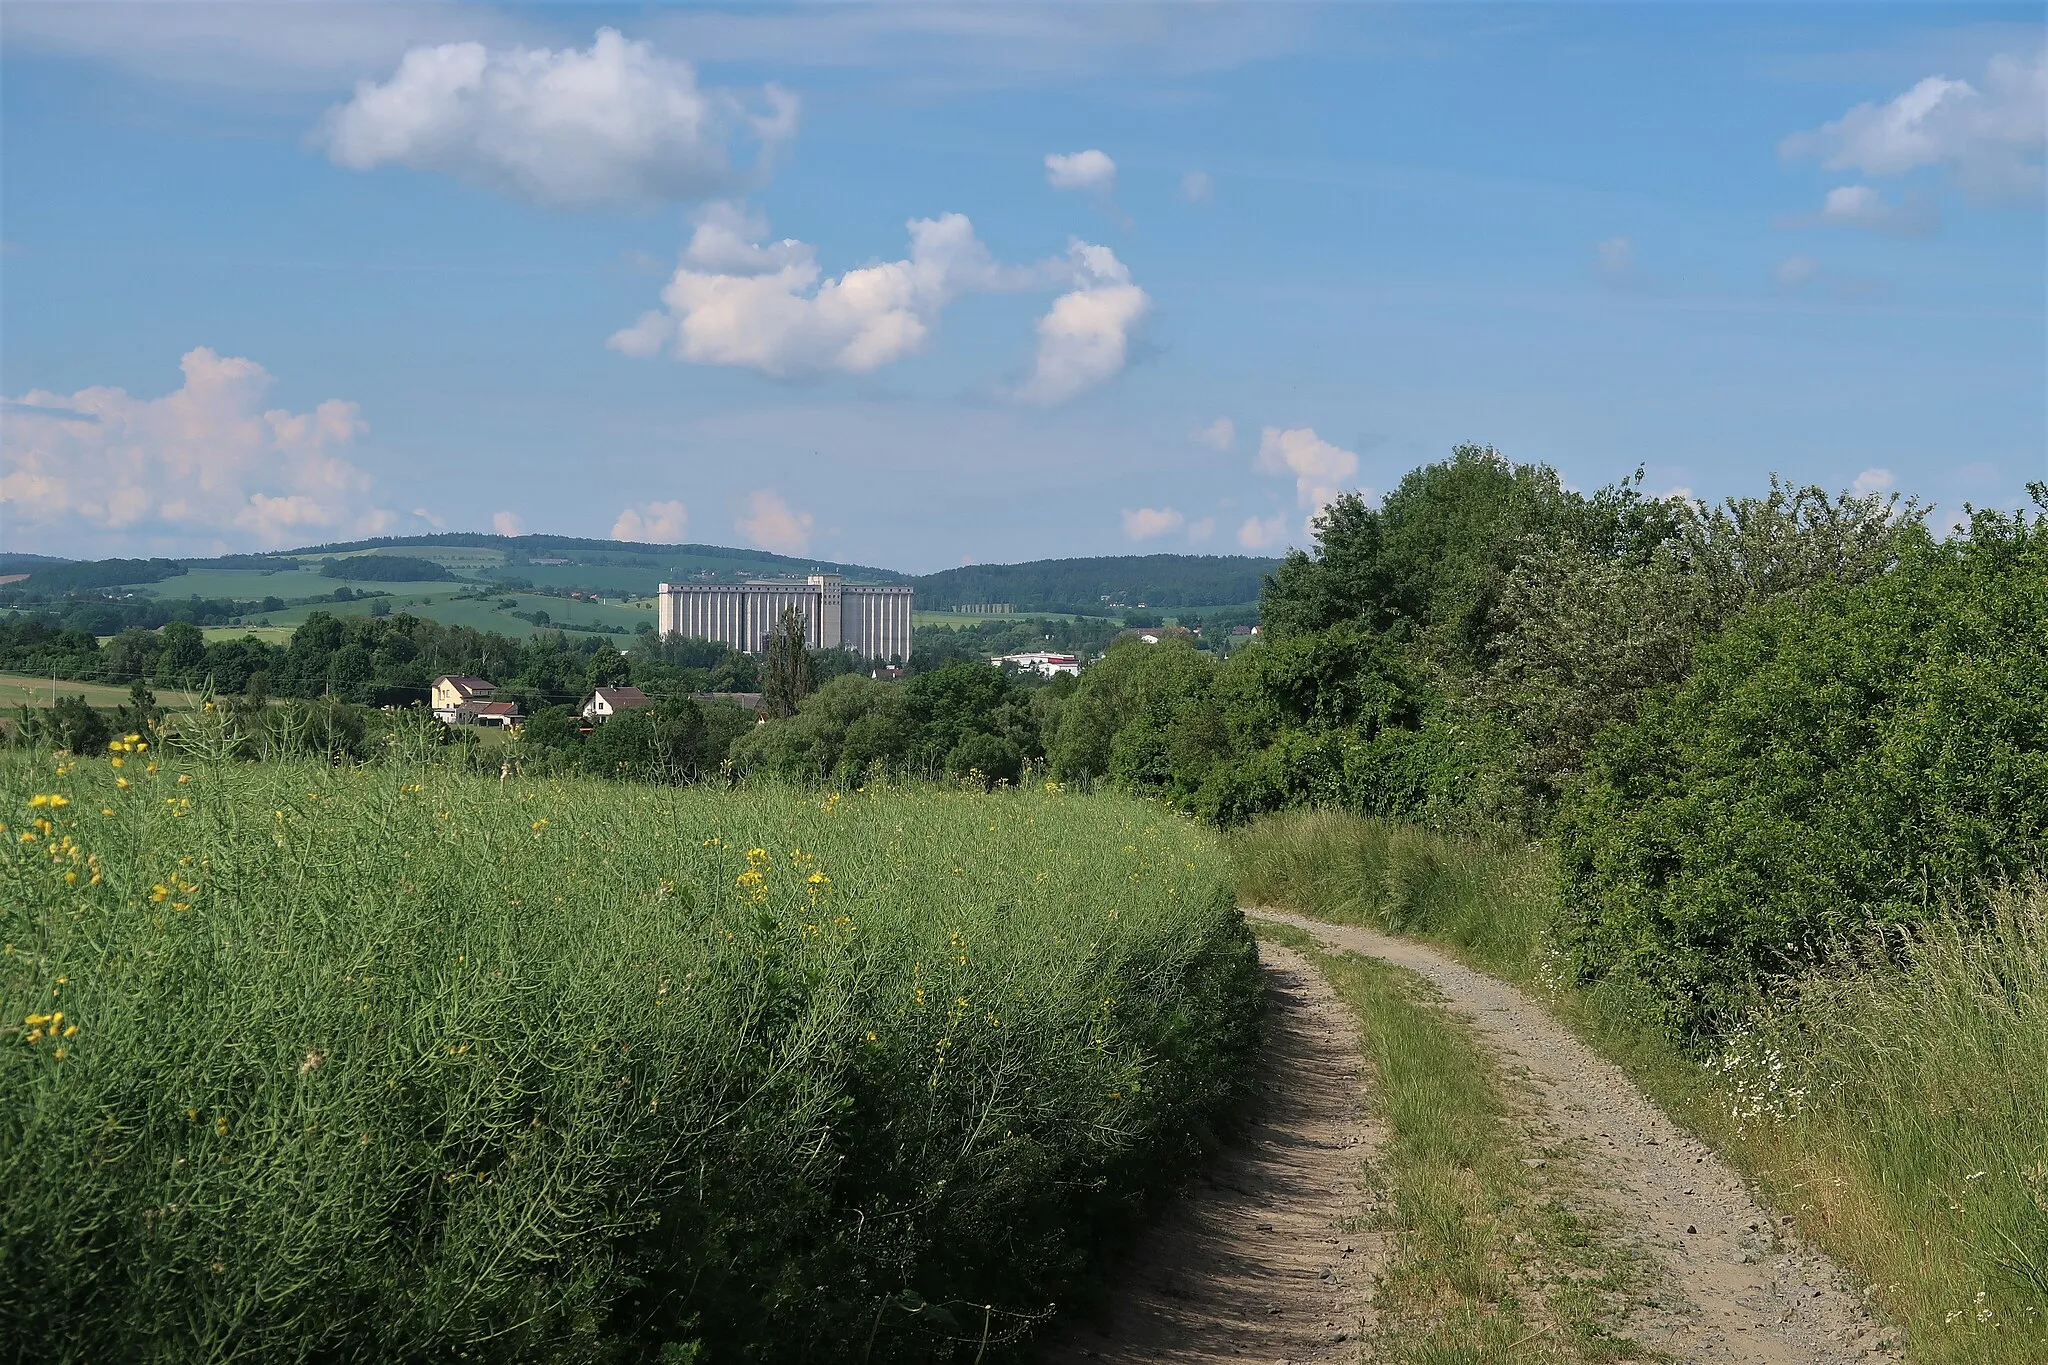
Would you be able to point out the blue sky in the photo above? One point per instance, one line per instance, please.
(278, 275)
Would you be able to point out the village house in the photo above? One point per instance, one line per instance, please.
(503, 714)
(452, 690)
(607, 702)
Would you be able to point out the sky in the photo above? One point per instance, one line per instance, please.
(921, 286)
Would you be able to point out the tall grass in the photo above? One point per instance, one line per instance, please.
(1896, 1102)
(401, 1064)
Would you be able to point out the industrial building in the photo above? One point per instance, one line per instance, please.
(871, 619)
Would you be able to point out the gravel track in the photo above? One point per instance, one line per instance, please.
(1740, 1287)
(1268, 1256)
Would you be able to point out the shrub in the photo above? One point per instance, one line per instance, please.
(1847, 756)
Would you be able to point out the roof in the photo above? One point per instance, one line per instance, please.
(465, 684)
(622, 698)
(489, 708)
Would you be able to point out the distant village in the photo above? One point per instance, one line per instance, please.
(738, 615)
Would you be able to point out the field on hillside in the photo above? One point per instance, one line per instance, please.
(18, 689)
(394, 1064)
(443, 606)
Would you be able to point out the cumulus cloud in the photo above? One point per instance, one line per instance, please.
(508, 523)
(772, 524)
(1872, 481)
(1084, 339)
(655, 523)
(1148, 523)
(1218, 434)
(766, 306)
(616, 123)
(1199, 531)
(1198, 187)
(1090, 170)
(1615, 263)
(1262, 533)
(1988, 138)
(1863, 206)
(1794, 271)
(1320, 469)
(204, 462)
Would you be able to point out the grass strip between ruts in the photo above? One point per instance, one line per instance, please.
(1492, 1260)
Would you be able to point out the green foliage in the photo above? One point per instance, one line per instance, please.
(785, 666)
(390, 1064)
(1096, 585)
(1433, 557)
(1847, 756)
(387, 569)
(961, 719)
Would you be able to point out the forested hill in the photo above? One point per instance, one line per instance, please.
(1088, 585)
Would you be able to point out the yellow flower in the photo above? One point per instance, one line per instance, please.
(116, 761)
(159, 892)
(122, 783)
(106, 810)
(184, 777)
(132, 739)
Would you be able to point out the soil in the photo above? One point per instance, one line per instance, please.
(1269, 1256)
(1739, 1285)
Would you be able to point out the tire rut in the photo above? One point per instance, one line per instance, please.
(1746, 1291)
(1268, 1255)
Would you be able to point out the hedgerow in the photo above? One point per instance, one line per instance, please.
(1843, 758)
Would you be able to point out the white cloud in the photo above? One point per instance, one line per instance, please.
(1988, 139)
(1794, 271)
(771, 523)
(1084, 339)
(1198, 187)
(735, 301)
(508, 523)
(1149, 522)
(1862, 206)
(1320, 469)
(617, 123)
(1199, 531)
(203, 462)
(1218, 434)
(1262, 534)
(1872, 481)
(656, 523)
(1089, 170)
(1614, 262)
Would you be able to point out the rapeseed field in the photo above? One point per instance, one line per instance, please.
(398, 1063)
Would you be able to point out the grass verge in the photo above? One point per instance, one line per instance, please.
(1897, 1106)
(301, 1062)
(1489, 1263)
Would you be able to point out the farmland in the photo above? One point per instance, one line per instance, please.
(390, 1063)
(20, 690)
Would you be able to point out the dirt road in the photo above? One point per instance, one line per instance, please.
(1740, 1287)
(1270, 1256)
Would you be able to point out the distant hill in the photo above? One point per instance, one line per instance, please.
(494, 582)
(574, 561)
(1095, 585)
